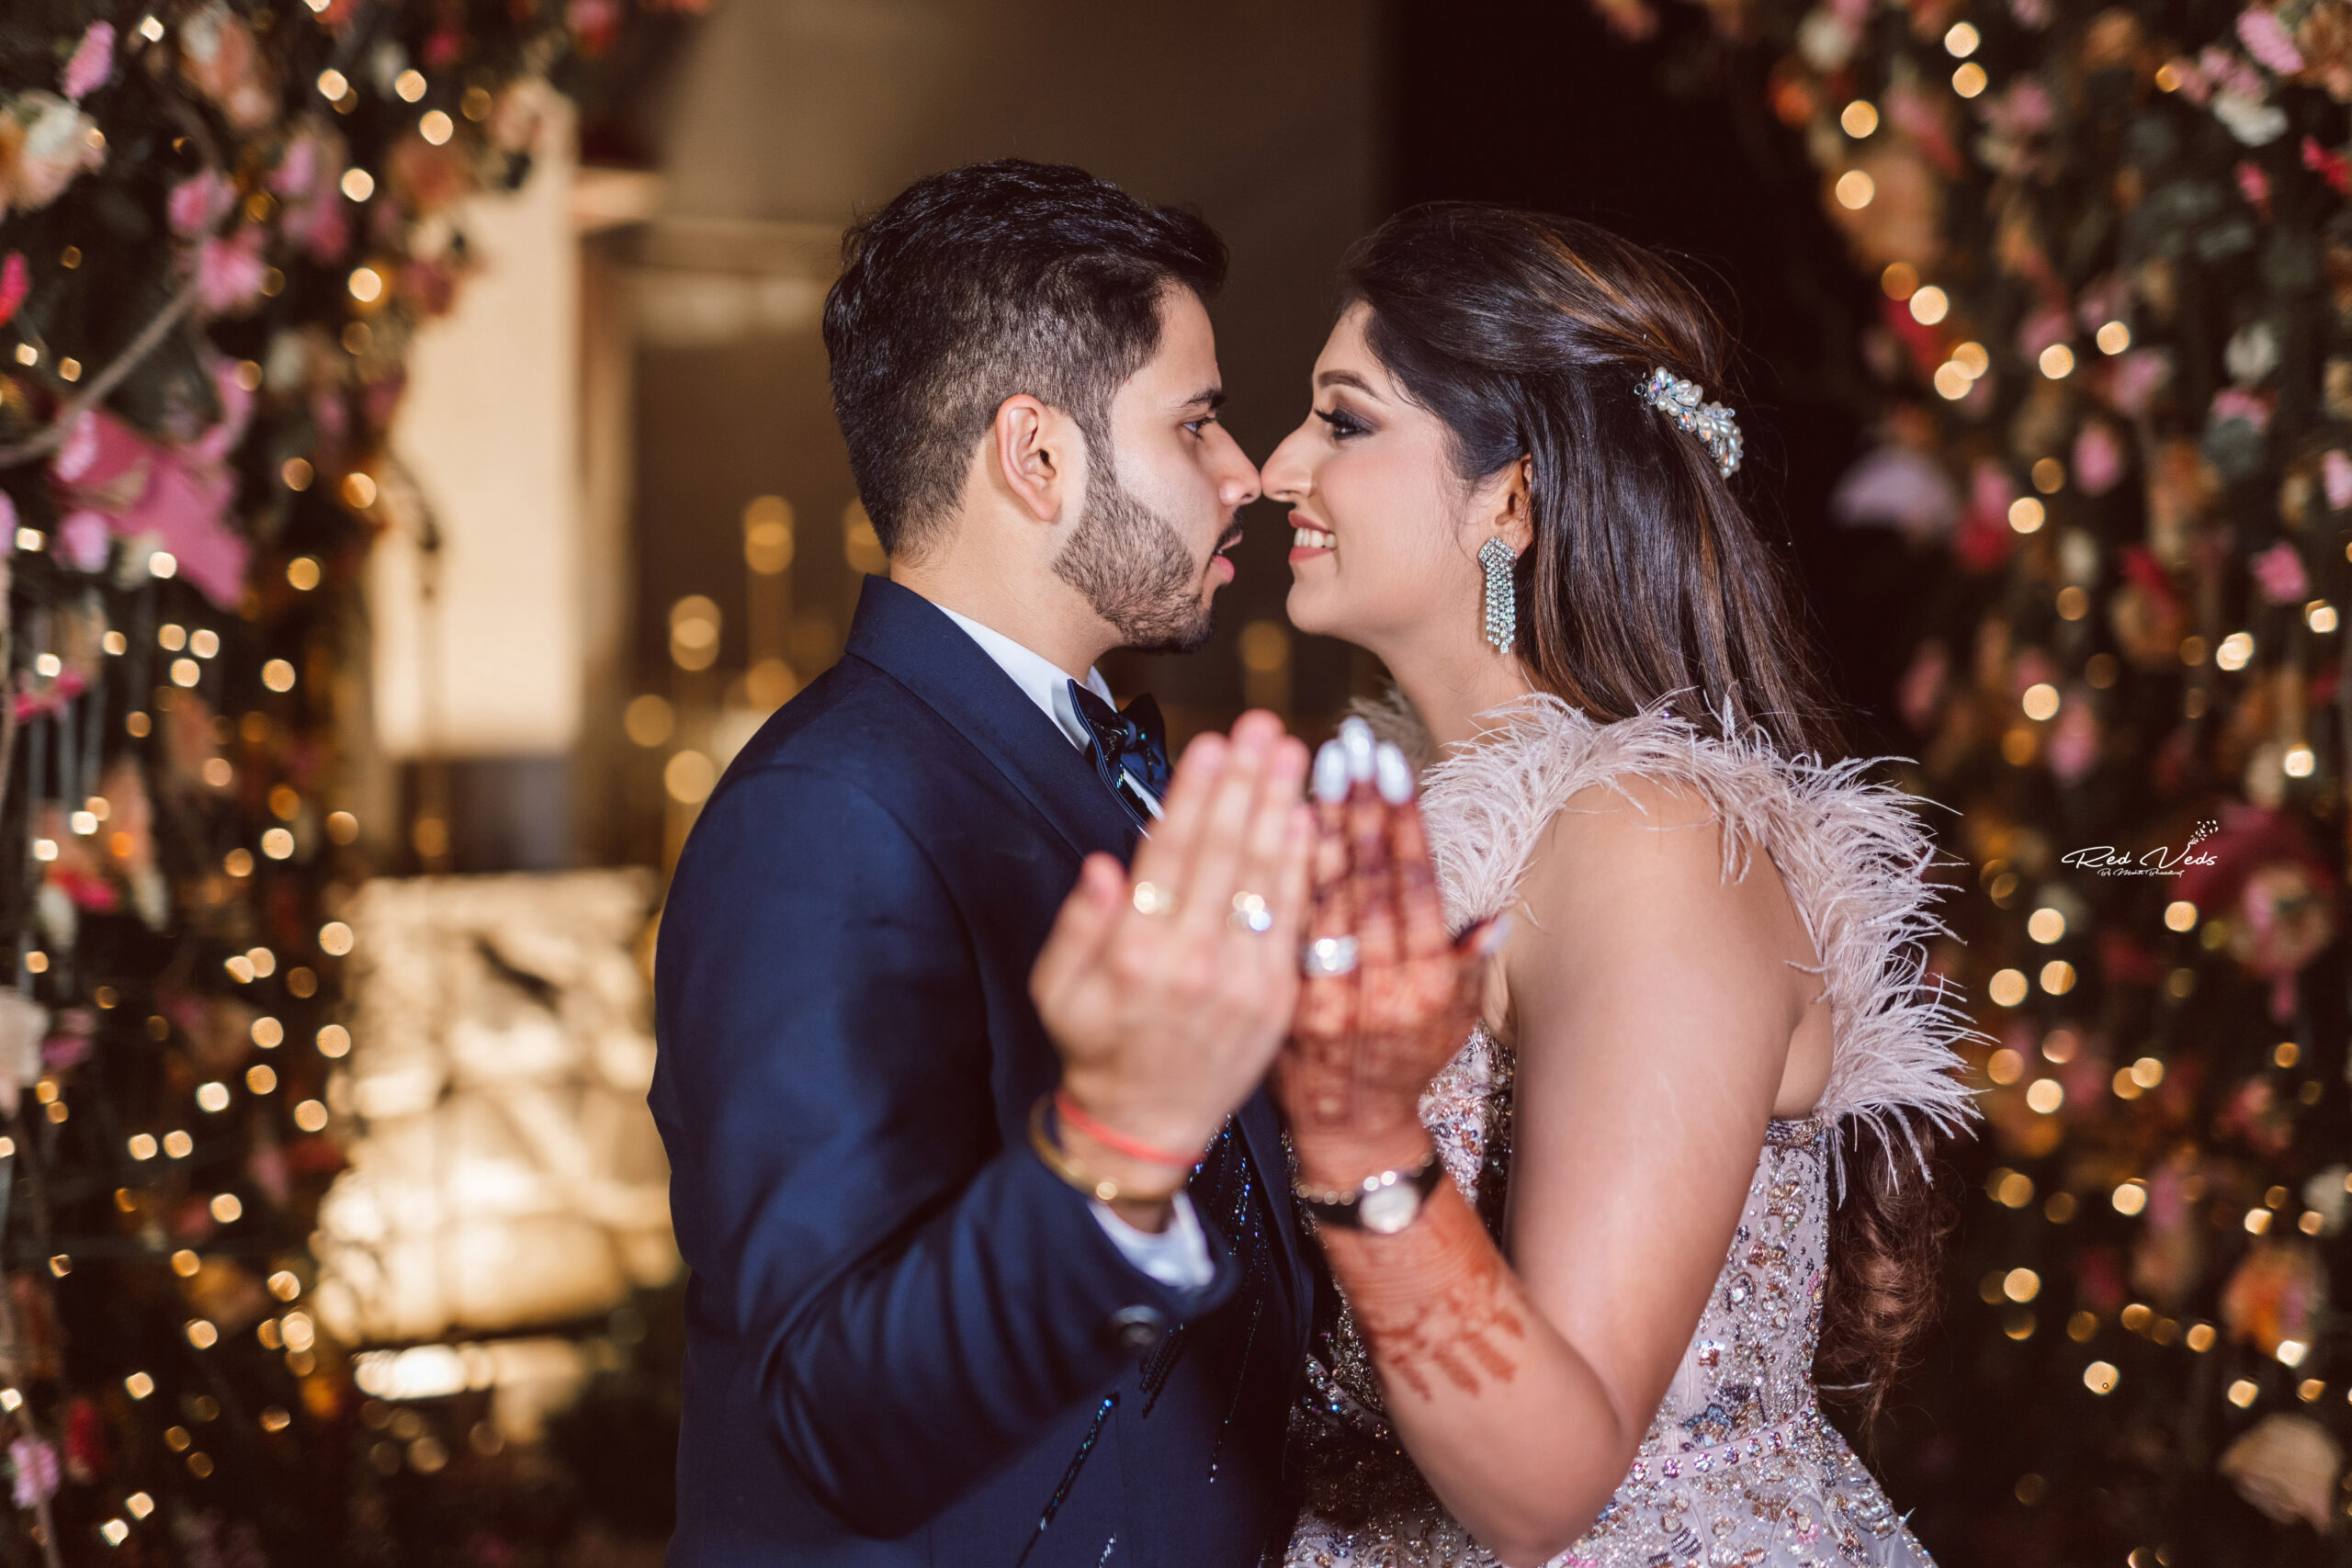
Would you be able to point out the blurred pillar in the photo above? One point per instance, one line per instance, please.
(475, 599)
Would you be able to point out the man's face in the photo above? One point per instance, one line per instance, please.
(1163, 501)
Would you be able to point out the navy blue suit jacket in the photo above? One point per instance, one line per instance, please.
(907, 1341)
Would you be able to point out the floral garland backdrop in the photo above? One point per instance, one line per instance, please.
(2114, 392)
(222, 221)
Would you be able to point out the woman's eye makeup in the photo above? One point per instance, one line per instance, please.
(1343, 423)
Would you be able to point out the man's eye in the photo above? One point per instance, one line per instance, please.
(1197, 426)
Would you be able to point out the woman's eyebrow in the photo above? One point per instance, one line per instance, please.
(1347, 378)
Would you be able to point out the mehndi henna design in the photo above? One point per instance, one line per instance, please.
(1456, 1328)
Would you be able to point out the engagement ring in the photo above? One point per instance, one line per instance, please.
(1251, 913)
(1153, 899)
(1329, 957)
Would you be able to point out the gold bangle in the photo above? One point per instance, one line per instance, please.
(1100, 1188)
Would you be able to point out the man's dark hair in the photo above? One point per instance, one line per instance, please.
(982, 283)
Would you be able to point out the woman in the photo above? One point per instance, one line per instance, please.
(1596, 1344)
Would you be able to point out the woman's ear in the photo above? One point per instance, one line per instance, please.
(1504, 508)
(1519, 518)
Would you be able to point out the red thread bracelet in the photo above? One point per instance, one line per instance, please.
(1117, 1143)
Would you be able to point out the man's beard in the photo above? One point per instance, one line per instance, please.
(1132, 565)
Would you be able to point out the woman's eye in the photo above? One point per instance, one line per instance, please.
(1342, 425)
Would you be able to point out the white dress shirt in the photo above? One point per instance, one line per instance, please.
(1178, 1256)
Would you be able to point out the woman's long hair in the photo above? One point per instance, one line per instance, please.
(1528, 336)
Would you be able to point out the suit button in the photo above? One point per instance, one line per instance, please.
(1134, 1328)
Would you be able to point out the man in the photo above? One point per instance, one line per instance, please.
(957, 1295)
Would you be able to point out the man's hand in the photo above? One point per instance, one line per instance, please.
(1166, 1005)
(1367, 1041)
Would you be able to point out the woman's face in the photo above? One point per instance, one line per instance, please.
(1381, 553)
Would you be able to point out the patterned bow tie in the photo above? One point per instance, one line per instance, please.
(1130, 749)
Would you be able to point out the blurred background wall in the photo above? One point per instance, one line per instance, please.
(645, 614)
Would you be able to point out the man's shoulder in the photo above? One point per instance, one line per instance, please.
(859, 737)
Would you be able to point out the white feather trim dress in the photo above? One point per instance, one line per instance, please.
(1739, 1466)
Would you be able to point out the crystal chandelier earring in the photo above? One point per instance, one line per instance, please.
(1502, 601)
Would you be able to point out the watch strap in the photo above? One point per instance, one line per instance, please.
(1346, 1208)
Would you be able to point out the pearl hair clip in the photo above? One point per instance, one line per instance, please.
(1714, 424)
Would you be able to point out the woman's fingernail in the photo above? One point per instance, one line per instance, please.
(1393, 774)
(1331, 774)
(1355, 740)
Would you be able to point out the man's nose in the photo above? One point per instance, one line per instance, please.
(1244, 484)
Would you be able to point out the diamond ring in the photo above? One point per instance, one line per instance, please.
(1329, 957)
(1251, 913)
(1153, 899)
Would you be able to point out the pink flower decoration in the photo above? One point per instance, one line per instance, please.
(35, 1464)
(2073, 743)
(84, 539)
(2102, 301)
(2279, 570)
(236, 409)
(187, 508)
(141, 487)
(2098, 459)
(2021, 111)
(2266, 39)
(14, 280)
(2042, 329)
(2137, 376)
(78, 457)
(199, 202)
(2230, 74)
(92, 63)
(2336, 476)
(297, 170)
(229, 272)
(2255, 185)
(2329, 166)
(2236, 402)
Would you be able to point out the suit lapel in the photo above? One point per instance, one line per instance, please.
(905, 635)
(900, 632)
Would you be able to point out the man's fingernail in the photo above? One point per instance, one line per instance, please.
(1393, 774)
(1355, 740)
(1497, 934)
(1331, 774)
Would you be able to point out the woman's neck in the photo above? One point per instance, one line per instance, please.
(1450, 688)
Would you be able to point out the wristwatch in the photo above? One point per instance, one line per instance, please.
(1383, 1204)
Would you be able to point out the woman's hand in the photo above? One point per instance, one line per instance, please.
(1370, 1035)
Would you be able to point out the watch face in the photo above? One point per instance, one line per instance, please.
(1390, 1209)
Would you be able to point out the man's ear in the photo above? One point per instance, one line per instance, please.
(1036, 452)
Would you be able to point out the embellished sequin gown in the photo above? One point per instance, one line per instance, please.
(1739, 1467)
